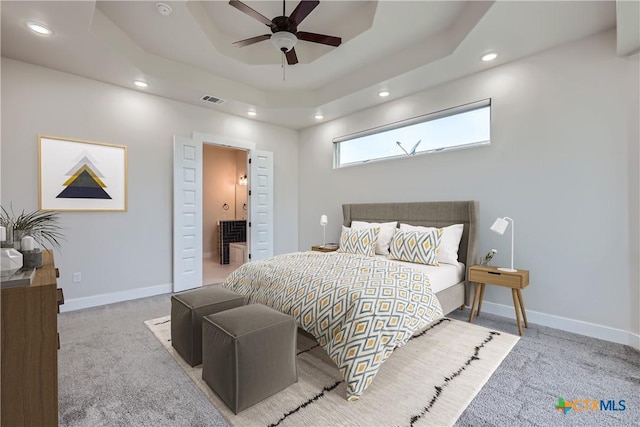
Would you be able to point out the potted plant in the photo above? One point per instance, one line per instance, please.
(488, 257)
(42, 226)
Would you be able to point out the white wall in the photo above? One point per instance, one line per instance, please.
(125, 254)
(558, 164)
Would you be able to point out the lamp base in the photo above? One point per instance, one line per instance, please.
(509, 270)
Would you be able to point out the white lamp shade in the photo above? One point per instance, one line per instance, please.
(500, 225)
(323, 220)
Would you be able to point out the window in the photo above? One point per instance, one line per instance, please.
(454, 128)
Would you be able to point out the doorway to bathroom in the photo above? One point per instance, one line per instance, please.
(188, 212)
(225, 211)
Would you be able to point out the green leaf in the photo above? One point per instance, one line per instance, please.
(42, 225)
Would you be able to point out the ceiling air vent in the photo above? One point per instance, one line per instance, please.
(213, 99)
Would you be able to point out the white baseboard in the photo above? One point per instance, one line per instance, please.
(94, 301)
(570, 325)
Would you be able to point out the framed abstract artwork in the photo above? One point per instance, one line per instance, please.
(77, 175)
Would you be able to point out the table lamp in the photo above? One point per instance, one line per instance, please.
(500, 226)
(323, 223)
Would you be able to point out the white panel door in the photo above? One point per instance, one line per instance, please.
(187, 213)
(260, 204)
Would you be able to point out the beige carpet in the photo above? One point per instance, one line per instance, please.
(428, 382)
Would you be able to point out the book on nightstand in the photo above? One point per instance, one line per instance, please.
(22, 277)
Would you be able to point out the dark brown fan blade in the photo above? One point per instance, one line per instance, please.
(252, 40)
(301, 11)
(292, 58)
(257, 15)
(319, 38)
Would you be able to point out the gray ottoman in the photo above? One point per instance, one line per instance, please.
(187, 310)
(248, 354)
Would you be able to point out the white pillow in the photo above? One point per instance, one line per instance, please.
(449, 243)
(384, 237)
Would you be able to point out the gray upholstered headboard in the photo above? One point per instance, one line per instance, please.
(430, 214)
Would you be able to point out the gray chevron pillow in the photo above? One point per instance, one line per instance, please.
(416, 246)
(359, 241)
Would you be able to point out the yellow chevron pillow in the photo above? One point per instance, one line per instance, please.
(416, 246)
(361, 242)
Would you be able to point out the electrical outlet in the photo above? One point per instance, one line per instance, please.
(77, 277)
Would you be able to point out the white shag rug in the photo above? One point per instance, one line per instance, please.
(428, 382)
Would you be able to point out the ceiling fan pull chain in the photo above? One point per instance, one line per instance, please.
(283, 67)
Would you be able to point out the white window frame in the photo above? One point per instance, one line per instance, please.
(410, 122)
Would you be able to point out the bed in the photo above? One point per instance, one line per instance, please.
(360, 308)
(430, 214)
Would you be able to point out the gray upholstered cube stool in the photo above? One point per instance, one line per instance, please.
(187, 310)
(248, 354)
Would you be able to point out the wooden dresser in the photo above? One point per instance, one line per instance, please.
(29, 377)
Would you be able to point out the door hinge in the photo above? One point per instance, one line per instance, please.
(249, 192)
(249, 160)
(249, 224)
(249, 256)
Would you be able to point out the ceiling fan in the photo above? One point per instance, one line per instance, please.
(284, 29)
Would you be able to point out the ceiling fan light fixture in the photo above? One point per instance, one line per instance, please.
(284, 40)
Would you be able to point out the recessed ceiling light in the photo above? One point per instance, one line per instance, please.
(383, 93)
(141, 84)
(38, 28)
(252, 113)
(318, 117)
(489, 56)
(164, 9)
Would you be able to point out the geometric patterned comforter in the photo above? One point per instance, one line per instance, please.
(358, 308)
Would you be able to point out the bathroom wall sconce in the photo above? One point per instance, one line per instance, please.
(243, 180)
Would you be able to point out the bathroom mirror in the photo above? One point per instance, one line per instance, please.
(241, 202)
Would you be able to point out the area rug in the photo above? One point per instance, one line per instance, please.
(428, 382)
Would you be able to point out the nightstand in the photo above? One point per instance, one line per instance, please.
(320, 248)
(517, 281)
